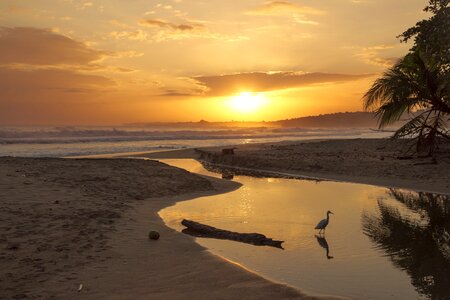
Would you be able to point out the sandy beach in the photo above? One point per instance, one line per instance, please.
(78, 229)
(382, 162)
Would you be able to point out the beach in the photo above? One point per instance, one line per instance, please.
(383, 162)
(77, 228)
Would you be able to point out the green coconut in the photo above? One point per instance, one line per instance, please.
(153, 235)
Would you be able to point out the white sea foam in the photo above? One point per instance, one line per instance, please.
(72, 141)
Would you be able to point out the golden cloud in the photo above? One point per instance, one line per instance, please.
(373, 55)
(138, 35)
(165, 30)
(168, 25)
(51, 95)
(225, 85)
(221, 85)
(16, 82)
(12, 8)
(38, 65)
(282, 7)
(44, 95)
(34, 46)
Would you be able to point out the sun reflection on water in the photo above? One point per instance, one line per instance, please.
(380, 243)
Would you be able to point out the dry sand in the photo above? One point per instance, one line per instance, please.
(78, 229)
(67, 224)
(370, 161)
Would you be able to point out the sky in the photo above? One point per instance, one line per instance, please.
(74, 62)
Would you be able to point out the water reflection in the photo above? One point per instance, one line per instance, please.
(416, 237)
(409, 230)
(323, 243)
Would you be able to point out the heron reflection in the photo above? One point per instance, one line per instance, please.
(323, 243)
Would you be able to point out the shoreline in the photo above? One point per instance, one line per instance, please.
(190, 270)
(127, 263)
(70, 230)
(375, 165)
(329, 177)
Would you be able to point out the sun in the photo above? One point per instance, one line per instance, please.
(247, 102)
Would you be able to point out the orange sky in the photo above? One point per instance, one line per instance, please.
(112, 62)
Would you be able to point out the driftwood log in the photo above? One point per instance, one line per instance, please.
(200, 230)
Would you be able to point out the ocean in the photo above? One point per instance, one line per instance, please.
(53, 141)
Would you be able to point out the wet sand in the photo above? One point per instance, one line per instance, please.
(77, 228)
(380, 162)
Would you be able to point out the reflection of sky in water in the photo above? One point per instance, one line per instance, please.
(288, 210)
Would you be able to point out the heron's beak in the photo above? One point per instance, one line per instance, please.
(331, 212)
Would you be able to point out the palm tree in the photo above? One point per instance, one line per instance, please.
(417, 86)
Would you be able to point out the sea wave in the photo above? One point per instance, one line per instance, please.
(62, 142)
(74, 135)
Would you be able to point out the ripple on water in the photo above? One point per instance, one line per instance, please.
(380, 243)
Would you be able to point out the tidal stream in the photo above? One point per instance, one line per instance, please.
(380, 243)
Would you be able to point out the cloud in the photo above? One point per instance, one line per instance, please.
(271, 8)
(301, 19)
(176, 93)
(40, 68)
(372, 55)
(86, 5)
(168, 25)
(127, 54)
(120, 24)
(163, 30)
(34, 46)
(26, 48)
(138, 35)
(220, 85)
(51, 95)
(14, 9)
(20, 81)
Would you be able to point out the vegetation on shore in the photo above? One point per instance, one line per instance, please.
(419, 83)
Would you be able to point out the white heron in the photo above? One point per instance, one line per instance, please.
(322, 224)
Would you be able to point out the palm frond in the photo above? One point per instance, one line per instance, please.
(397, 84)
(412, 127)
(415, 82)
(391, 112)
(385, 89)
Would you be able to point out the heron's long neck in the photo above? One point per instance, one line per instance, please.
(328, 216)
